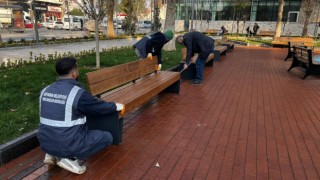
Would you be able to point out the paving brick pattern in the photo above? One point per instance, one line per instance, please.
(251, 119)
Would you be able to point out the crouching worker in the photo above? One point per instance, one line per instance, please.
(153, 43)
(63, 132)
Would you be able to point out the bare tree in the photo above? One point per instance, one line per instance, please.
(279, 20)
(96, 10)
(307, 10)
(110, 12)
(170, 23)
(240, 11)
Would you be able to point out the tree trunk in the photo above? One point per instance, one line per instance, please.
(279, 21)
(306, 23)
(110, 19)
(96, 24)
(170, 24)
(238, 21)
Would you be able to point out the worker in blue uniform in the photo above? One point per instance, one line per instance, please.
(63, 132)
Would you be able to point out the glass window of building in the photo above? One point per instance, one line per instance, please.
(228, 10)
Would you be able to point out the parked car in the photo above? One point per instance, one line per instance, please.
(55, 25)
(105, 23)
(144, 24)
(30, 25)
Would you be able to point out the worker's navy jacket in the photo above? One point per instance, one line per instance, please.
(197, 42)
(152, 43)
(63, 131)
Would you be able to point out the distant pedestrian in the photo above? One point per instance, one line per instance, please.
(255, 29)
(222, 31)
(153, 44)
(197, 42)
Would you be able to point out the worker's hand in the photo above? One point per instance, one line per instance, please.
(185, 66)
(119, 106)
(159, 67)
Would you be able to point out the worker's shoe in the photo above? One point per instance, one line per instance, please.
(71, 165)
(50, 160)
(197, 82)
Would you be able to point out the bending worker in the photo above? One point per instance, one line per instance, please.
(197, 42)
(153, 43)
(63, 132)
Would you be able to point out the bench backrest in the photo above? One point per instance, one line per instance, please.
(212, 31)
(294, 39)
(105, 79)
(271, 33)
(302, 53)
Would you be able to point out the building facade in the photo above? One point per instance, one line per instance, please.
(215, 13)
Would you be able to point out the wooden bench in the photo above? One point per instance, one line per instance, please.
(190, 73)
(266, 33)
(213, 31)
(219, 50)
(303, 58)
(283, 41)
(226, 42)
(131, 84)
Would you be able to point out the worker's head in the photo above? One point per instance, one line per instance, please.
(179, 39)
(168, 34)
(67, 68)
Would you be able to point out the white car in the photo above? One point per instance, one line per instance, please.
(144, 24)
(55, 25)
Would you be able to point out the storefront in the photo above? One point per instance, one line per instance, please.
(49, 10)
(54, 13)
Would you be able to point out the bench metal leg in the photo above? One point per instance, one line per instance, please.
(228, 47)
(210, 63)
(174, 88)
(189, 73)
(110, 123)
(216, 55)
(224, 52)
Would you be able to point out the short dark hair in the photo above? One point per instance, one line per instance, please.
(65, 65)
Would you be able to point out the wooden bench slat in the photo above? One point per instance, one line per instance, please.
(97, 76)
(141, 85)
(118, 75)
(299, 40)
(142, 91)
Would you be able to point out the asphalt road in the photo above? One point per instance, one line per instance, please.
(29, 34)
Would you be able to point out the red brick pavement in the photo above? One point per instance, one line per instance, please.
(251, 119)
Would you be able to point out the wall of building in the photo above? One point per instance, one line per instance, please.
(293, 29)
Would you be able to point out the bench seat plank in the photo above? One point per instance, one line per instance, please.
(142, 90)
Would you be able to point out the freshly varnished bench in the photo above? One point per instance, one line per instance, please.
(219, 50)
(226, 42)
(213, 31)
(131, 84)
(266, 33)
(190, 73)
(283, 41)
(303, 58)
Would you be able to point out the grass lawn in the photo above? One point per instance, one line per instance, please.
(20, 87)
